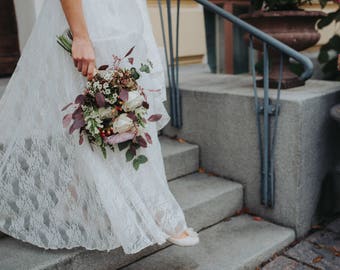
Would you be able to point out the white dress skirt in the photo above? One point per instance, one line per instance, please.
(55, 193)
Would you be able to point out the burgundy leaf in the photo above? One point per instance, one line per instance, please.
(131, 60)
(155, 117)
(103, 67)
(67, 106)
(129, 52)
(77, 124)
(148, 138)
(124, 95)
(67, 120)
(100, 99)
(119, 138)
(81, 139)
(133, 149)
(141, 141)
(132, 116)
(146, 105)
(80, 100)
(78, 114)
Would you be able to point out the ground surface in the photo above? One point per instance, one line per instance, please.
(320, 250)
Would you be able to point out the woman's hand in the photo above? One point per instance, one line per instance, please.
(84, 56)
(82, 49)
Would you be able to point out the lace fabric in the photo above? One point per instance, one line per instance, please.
(55, 193)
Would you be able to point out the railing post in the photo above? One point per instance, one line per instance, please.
(266, 125)
(172, 63)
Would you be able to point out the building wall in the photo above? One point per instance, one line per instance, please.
(192, 34)
(192, 45)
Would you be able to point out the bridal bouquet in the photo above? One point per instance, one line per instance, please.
(112, 111)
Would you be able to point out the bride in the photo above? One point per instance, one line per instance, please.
(55, 193)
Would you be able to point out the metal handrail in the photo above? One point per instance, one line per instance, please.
(266, 142)
(304, 60)
(268, 108)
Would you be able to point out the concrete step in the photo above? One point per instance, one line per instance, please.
(241, 243)
(179, 158)
(206, 200)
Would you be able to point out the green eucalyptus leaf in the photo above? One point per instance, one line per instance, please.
(104, 151)
(136, 164)
(142, 159)
(144, 68)
(123, 145)
(129, 155)
(134, 73)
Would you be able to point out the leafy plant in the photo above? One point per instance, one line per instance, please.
(329, 52)
(271, 5)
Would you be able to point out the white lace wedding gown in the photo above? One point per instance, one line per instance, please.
(55, 193)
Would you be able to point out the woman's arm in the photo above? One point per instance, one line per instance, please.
(82, 49)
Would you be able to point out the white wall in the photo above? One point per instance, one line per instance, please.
(26, 12)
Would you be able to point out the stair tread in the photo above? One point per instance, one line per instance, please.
(179, 158)
(241, 243)
(172, 147)
(199, 188)
(194, 193)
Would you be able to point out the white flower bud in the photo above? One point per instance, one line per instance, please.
(122, 124)
(134, 101)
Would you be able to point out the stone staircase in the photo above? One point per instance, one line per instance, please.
(227, 241)
(236, 243)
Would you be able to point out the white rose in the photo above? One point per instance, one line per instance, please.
(122, 124)
(134, 101)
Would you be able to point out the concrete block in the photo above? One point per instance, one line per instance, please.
(205, 200)
(224, 127)
(240, 243)
(179, 158)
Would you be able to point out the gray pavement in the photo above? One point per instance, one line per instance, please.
(320, 250)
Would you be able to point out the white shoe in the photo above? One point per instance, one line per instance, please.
(191, 240)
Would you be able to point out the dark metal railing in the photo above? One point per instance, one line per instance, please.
(171, 55)
(267, 108)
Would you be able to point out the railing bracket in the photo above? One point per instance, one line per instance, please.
(271, 109)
